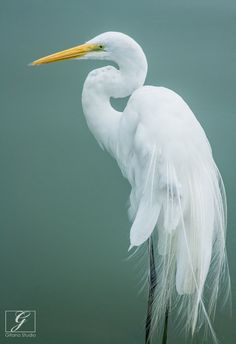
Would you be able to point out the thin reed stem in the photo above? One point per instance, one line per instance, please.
(151, 295)
(164, 338)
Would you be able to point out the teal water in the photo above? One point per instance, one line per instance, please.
(64, 227)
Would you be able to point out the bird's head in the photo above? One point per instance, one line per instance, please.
(114, 46)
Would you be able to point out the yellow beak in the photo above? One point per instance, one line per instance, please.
(67, 54)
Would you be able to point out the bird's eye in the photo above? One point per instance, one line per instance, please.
(101, 46)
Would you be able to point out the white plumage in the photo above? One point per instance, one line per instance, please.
(177, 190)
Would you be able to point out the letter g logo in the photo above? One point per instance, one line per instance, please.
(20, 319)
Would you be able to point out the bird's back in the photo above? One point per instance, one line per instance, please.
(167, 120)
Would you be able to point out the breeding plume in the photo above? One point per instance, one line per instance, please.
(177, 200)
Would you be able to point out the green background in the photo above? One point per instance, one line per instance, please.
(64, 226)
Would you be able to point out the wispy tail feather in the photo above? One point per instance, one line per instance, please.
(189, 211)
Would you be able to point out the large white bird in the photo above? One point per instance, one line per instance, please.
(177, 191)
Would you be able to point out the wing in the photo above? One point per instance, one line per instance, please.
(176, 188)
(145, 155)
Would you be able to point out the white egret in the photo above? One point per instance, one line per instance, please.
(177, 191)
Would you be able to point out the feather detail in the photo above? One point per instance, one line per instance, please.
(190, 217)
(149, 207)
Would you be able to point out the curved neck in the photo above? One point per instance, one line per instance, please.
(104, 83)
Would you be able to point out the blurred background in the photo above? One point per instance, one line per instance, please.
(64, 226)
